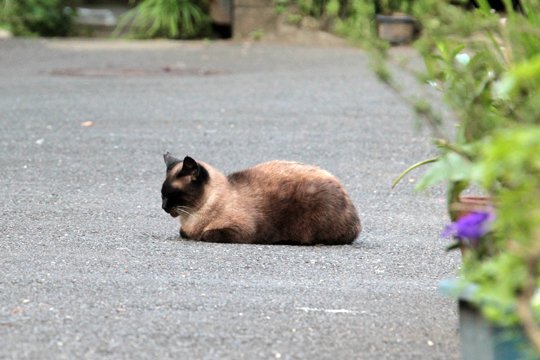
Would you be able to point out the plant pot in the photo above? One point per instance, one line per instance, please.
(481, 339)
(469, 203)
(397, 29)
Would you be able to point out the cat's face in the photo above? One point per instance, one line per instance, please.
(184, 185)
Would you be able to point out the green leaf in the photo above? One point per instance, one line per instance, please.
(450, 167)
(518, 76)
(332, 8)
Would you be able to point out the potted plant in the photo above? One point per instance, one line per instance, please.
(394, 22)
(491, 81)
(501, 269)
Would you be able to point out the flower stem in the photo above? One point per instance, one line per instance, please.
(411, 168)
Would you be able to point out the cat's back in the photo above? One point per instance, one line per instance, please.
(278, 172)
(297, 202)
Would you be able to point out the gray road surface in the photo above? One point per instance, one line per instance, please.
(91, 267)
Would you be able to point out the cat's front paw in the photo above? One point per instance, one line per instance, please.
(183, 234)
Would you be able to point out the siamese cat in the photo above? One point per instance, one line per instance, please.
(277, 202)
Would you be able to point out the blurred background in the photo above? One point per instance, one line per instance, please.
(184, 19)
(211, 19)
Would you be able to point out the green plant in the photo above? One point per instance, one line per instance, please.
(294, 19)
(508, 166)
(394, 6)
(36, 17)
(257, 35)
(477, 77)
(487, 67)
(314, 8)
(358, 23)
(352, 19)
(166, 18)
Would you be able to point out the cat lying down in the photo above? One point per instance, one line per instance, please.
(277, 202)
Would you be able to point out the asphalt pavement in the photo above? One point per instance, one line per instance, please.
(92, 268)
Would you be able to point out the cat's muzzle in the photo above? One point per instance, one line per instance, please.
(171, 211)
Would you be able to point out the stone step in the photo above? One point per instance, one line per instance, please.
(98, 21)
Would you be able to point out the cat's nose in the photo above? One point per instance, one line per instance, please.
(164, 204)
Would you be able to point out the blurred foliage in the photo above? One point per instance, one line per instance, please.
(315, 8)
(394, 6)
(344, 8)
(508, 166)
(36, 17)
(352, 19)
(487, 73)
(176, 19)
(486, 65)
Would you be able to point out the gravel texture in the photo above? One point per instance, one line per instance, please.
(91, 267)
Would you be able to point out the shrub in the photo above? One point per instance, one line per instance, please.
(36, 17)
(487, 66)
(167, 18)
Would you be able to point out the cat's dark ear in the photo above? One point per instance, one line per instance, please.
(189, 165)
(193, 168)
(170, 160)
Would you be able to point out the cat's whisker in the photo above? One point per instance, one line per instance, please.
(180, 209)
(184, 207)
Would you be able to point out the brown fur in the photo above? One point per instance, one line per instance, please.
(273, 202)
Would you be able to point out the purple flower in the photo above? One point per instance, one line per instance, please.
(470, 228)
